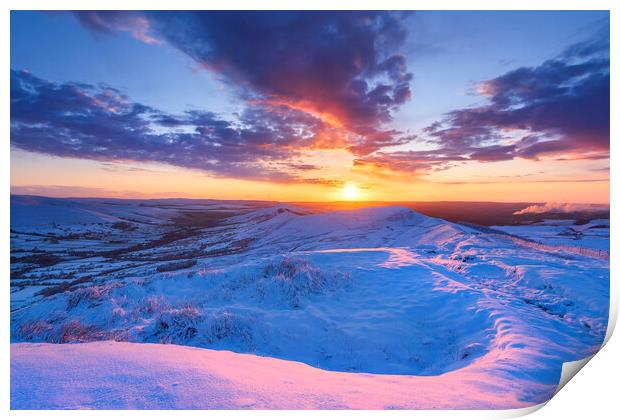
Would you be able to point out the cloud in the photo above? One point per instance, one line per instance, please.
(559, 109)
(562, 208)
(101, 123)
(562, 106)
(522, 181)
(313, 80)
(342, 67)
(111, 21)
(326, 182)
(406, 162)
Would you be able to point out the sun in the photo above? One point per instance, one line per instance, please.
(350, 192)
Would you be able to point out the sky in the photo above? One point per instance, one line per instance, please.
(312, 106)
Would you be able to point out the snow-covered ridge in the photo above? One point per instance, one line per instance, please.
(286, 228)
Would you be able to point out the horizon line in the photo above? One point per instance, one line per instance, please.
(307, 201)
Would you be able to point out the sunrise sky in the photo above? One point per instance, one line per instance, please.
(312, 106)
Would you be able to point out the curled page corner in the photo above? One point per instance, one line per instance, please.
(613, 316)
(520, 412)
(570, 369)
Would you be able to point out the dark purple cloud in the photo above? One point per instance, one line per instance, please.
(101, 123)
(559, 109)
(342, 66)
(562, 105)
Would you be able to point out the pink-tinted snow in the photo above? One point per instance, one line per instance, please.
(110, 375)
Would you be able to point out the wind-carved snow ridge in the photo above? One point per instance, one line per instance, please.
(372, 292)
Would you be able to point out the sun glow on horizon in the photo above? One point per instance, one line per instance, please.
(350, 192)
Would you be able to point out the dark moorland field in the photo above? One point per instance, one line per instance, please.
(477, 212)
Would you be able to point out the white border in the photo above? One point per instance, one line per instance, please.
(597, 383)
(311, 5)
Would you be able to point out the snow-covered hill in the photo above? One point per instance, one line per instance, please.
(381, 290)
